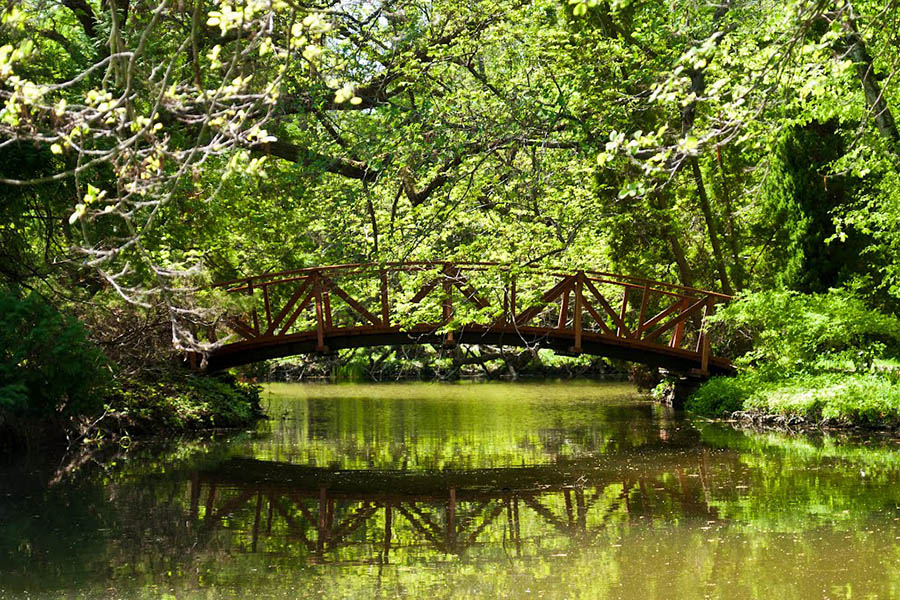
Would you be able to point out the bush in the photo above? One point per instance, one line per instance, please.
(47, 364)
(179, 401)
(721, 396)
(789, 331)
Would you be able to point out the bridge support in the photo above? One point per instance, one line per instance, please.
(679, 387)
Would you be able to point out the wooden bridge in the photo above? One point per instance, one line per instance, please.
(324, 309)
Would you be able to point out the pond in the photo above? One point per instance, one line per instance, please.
(544, 490)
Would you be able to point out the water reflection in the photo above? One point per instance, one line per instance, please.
(557, 491)
(325, 511)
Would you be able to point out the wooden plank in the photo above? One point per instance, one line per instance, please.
(326, 302)
(597, 317)
(512, 300)
(471, 294)
(320, 318)
(426, 289)
(620, 324)
(447, 286)
(577, 317)
(265, 290)
(240, 328)
(660, 316)
(350, 301)
(704, 336)
(255, 315)
(563, 311)
(550, 295)
(673, 322)
(301, 289)
(300, 308)
(623, 312)
(385, 306)
(678, 334)
(645, 297)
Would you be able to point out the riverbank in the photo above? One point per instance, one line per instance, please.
(801, 401)
(153, 404)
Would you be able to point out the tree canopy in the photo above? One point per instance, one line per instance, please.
(150, 147)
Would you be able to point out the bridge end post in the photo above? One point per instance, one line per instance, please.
(579, 304)
(320, 316)
(703, 343)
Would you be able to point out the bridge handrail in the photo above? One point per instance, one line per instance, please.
(278, 277)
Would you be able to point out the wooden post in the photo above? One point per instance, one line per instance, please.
(255, 316)
(703, 345)
(385, 307)
(563, 311)
(320, 318)
(505, 318)
(512, 299)
(623, 311)
(579, 302)
(678, 334)
(640, 326)
(326, 305)
(265, 290)
(447, 303)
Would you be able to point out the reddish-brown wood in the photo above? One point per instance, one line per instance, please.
(326, 305)
(624, 311)
(301, 289)
(320, 321)
(571, 294)
(265, 290)
(679, 319)
(620, 322)
(563, 311)
(385, 306)
(645, 298)
(660, 316)
(576, 319)
(350, 301)
(299, 310)
(678, 334)
(255, 316)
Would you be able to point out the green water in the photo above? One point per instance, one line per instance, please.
(552, 490)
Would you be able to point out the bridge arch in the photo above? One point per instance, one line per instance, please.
(324, 309)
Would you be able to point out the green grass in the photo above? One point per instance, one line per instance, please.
(837, 398)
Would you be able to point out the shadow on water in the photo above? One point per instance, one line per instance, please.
(557, 490)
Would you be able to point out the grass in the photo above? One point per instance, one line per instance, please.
(839, 398)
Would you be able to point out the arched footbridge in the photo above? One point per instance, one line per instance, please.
(325, 309)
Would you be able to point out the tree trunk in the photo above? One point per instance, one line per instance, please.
(884, 120)
(718, 257)
(737, 265)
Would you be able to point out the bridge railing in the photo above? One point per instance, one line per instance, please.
(447, 297)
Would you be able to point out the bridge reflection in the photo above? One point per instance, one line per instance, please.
(328, 511)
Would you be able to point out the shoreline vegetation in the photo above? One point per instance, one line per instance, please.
(63, 385)
(805, 361)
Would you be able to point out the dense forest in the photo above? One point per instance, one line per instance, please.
(148, 149)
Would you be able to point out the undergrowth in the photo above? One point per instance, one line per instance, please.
(824, 357)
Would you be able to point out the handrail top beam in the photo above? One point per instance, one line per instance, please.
(627, 281)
